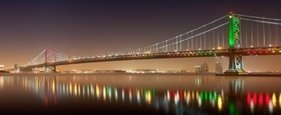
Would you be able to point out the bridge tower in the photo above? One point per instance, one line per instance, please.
(235, 60)
(50, 57)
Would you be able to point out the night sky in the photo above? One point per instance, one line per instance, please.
(96, 27)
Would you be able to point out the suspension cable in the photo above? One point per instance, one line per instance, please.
(257, 17)
(37, 56)
(204, 32)
(266, 22)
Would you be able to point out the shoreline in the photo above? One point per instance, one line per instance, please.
(219, 75)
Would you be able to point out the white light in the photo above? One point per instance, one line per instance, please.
(251, 46)
(270, 45)
(1, 66)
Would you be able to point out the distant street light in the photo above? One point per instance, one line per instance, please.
(2, 66)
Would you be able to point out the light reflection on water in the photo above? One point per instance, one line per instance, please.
(173, 94)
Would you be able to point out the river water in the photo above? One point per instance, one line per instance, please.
(121, 93)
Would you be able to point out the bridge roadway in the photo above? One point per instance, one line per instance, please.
(163, 55)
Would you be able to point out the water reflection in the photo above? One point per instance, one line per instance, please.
(53, 90)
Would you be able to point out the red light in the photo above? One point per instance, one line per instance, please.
(255, 98)
(248, 98)
(260, 99)
(267, 99)
(172, 93)
(181, 94)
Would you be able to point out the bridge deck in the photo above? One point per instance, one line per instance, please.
(162, 55)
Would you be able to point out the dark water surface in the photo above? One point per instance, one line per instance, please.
(139, 94)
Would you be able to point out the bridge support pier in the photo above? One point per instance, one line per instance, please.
(26, 70)
(235, 65)
(50, 69)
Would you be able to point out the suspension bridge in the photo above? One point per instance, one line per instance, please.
(232, 35)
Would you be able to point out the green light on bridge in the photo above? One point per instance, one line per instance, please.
(234, 30)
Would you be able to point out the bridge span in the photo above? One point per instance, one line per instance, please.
(233, 36)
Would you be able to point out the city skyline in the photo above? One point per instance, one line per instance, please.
(81, 29)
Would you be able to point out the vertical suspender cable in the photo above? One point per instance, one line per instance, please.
(241, 36)
(246, 35)
(200, 42)
(192, 41)
(218, 44)
(269, 36)
(223, 38)
(204, 40)
(252, 35)
(180, 43)
(213, 45)
(263, 33)
(258, 37)
(277, 41)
